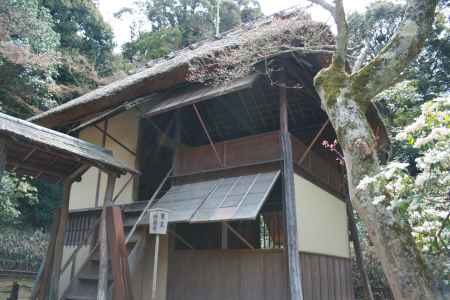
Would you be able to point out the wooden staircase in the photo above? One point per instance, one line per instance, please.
(84, 284)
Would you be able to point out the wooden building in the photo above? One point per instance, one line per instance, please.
(256, 206)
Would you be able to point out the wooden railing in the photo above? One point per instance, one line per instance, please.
(149, 203)
(89, 241)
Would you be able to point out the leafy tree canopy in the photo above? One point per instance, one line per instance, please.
(81, 27)
(50, 52)
(176, 24)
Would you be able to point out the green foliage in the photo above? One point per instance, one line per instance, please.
(177, 24)
(372, 30)
(151, 45)
(22, 249)
(28, 47)
(39, 214)
(15, 192)
(82, 27)
(422, 200)
(398, 106)
(50, 52)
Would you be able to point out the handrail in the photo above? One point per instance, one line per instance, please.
(92, 231)
(83, 242)
(72, 257)
(147, 206)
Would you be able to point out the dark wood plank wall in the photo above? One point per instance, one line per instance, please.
(254, 275)
(265, 147)
(233, 153)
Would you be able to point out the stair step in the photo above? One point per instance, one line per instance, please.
(77, 297)
(92, 276)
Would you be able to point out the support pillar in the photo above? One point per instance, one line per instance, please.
(368, 295)
(103, 247)
(2, 158)
(289, 207)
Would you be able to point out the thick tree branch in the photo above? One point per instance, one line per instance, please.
(386, 68)
(342, 33)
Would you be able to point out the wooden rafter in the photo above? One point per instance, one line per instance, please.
(207, 134)
(313, 142)
(116, 140)
(236, 233)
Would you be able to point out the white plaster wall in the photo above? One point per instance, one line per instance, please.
(123, 127)
(321, 220)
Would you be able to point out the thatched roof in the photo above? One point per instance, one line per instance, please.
(229, 57)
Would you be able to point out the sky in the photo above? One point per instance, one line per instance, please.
(122, 31)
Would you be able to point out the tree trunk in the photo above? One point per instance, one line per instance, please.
(404, 267)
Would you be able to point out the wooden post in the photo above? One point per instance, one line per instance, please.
(63, 215)
(99, 172)
(14, 295)
(41, 284)
(290, 212)
(368, 295)
(224, 236)
(103, 249)
(119, 254)
(155, 267)
(2, 158)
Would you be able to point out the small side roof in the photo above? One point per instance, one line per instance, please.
(39, 151)
(228, 198)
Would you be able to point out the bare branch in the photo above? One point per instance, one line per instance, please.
(324, 4)
(342, 32)
(386, 68)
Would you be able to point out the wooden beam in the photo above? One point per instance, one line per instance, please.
(102, 287)
(207, 134)
(26, 157)
(99, 172)
(368, 295)
(116, 140)
(124, 186)
(181, 239)
(41, 286)
(147, 206)
(239, 236)
(2, 157)
(316, 137)
(113, 112)
(289, 207)
(189, 97)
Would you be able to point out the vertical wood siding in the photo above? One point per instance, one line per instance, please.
(254, 275)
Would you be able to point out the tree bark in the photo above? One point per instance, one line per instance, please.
(345, 98)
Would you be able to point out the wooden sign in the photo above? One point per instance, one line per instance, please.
(159, 219)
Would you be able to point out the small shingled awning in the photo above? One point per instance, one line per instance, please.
(222, 199)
